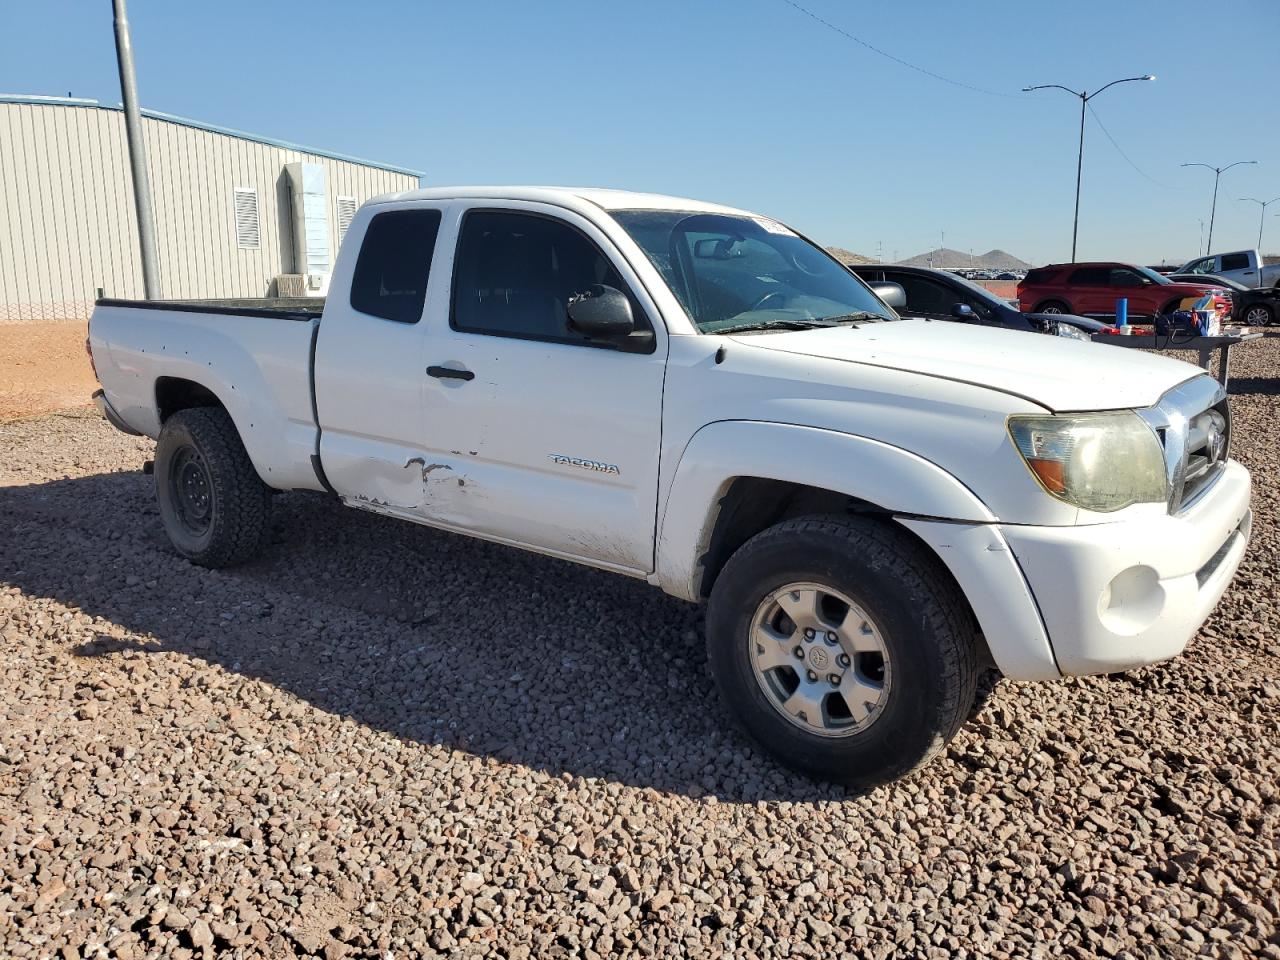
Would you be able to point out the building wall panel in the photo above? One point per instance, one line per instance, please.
(68, 225)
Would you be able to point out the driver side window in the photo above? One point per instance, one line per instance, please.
(1125, 278)
(925, 296)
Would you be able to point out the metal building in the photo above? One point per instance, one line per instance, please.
(237, 215)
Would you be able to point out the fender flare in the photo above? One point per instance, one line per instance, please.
(892, 478)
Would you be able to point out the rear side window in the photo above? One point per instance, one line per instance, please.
(516, 273)
(395, 260)
(1091, 277)
(1235, 261)
(1042, 275)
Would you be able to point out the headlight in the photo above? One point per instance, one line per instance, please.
(1071, 332)
(1095, 461)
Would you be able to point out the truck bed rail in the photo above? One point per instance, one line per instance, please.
(275, 308)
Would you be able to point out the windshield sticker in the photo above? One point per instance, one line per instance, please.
(772, 226)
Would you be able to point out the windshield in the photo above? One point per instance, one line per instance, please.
(736, 272)
(1152, 275)
(978, 290)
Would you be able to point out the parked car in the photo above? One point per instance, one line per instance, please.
(1256, 307)
(1243, 266)
(1006, 275)
(700, 398)
(1092, 289)
(941, 295)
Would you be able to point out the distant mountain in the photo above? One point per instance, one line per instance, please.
(945, 258)
(848, 256)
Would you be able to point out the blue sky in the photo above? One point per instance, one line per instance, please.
(750, 103)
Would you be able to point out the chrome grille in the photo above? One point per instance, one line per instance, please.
(1193, 422)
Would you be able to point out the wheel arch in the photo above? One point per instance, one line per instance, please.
(736, 478)
(178, 393)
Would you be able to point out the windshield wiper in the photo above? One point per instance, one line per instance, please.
(777, 325)
(855, 317)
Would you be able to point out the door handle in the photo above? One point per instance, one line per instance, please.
(450, 373)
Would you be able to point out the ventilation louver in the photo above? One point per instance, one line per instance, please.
(248, 228)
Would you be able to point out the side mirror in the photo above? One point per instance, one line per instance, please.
(601, 313)
(891, 294)
(962, 311)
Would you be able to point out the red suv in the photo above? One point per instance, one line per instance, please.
(1094, 288)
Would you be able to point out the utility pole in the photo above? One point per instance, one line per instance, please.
(137, 153)
(1217, 175)
(1085, 97)
(1262, 217)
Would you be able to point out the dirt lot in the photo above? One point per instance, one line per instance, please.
(43, 367)
(381, 740)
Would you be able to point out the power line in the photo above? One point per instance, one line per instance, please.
(1103, 126)
(889, 56)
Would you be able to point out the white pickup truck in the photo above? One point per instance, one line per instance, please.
(696, 396)
(1242, 266)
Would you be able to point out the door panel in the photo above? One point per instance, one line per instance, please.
(368, 364)
(554, 443)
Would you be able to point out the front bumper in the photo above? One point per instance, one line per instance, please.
(1100, 598)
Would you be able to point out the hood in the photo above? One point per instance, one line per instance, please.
(1057, 373)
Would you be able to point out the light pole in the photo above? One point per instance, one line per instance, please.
(1217, 175)
(1085, 97)
(137, 153)
(1262, 217)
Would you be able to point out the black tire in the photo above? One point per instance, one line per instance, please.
(1052, 306)
(215, 508)
(923, 620)
(1261, 314)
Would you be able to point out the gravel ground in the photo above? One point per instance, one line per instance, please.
(382, 740)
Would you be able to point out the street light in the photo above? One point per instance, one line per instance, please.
(1262, 217)
(1085, 97)
(1217, 174)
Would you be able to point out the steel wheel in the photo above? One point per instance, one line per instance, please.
(820, 659)
(193, 489)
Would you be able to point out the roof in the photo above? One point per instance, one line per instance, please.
(604, 198)
(200, 125)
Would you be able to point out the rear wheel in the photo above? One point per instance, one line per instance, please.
(1258, 315)
(1052, 306)
(842, 648)
(214, 506)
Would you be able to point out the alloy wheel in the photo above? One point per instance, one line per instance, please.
(820, 659)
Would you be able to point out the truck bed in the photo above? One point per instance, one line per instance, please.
(148, 351)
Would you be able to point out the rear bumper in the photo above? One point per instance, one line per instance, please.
(109, 412)
(1103, 598)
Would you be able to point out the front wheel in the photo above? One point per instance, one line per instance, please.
(214, 506)
(843, 648)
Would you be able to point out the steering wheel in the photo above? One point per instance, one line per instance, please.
(759, 304)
